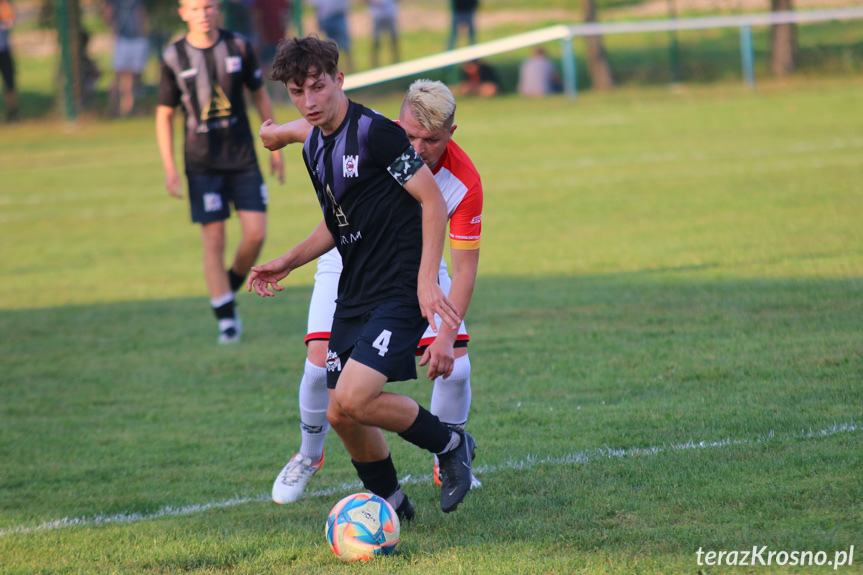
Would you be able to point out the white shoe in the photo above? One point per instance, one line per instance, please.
(231, 334)
(291, 482)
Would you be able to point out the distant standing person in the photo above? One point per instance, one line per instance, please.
(333, 22)
(128, 22)
(385, 14)
(463, 12)
(537, 76)
(206, 72)
(7, 64)
(271, 19)
(237, 17)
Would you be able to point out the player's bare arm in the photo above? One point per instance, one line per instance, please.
(265, 278)
(275, 136)
(425, 190)
(165, 139)
(265, 109)
(465, 265)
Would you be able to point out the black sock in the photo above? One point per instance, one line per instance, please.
(379, 477)
(225, 311)
(427, 432)
(235, 280)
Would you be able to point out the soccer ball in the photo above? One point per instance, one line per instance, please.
(362, 526)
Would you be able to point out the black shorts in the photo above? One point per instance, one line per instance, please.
(384, 339)
(211, 194)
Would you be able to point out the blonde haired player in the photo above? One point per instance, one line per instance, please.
(427, 115)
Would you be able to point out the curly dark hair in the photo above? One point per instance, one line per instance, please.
(300, 58)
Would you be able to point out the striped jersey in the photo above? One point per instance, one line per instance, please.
(209, 84)
(358, 173)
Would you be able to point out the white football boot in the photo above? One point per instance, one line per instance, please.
(291, 482)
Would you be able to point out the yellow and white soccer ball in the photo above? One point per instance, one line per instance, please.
(362, 526)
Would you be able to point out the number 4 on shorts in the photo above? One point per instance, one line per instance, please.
(382, 341)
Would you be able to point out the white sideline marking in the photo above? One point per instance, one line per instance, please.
(577, 457)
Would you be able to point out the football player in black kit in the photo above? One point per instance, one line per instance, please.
(206, 72)
(384, 212)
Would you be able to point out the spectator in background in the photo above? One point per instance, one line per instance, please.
(462, 17)
(385, 15)
(333, 22)
(90, 72)
(537, 76)
(237, 17)
(478, 79)
(128, 22)
(271, 18)
(7, 64)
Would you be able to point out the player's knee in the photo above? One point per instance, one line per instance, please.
(338, 419)
(255, 237)
(350, 405)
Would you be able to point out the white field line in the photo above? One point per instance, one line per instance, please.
(576, 457)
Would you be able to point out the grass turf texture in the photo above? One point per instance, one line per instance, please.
(656, 268)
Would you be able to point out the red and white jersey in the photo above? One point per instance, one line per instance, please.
(461, 187)
(460, 184)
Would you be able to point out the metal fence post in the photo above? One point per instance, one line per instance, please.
(570, 82)
(746, 55)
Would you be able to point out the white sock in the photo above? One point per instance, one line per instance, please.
(313, 400)
(222, 300)
(450, 400)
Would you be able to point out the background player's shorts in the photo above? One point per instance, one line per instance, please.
(211, 194)
(326, 290)
(130, 54)
(384, 339)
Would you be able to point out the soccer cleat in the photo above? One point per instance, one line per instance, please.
(289, 485)
(455, 472)
(231, 334)
(474, 482)
(405, 511)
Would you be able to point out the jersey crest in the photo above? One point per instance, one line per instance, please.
(350, 166)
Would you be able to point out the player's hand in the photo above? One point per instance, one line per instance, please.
(174, 184)
(269, 136)
(433, 301)
(440, 358)
(277, 166)
(264, 279)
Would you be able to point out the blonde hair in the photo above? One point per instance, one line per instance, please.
(431, 103)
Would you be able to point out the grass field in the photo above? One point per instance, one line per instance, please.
(666, 349)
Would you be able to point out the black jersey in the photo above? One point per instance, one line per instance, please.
(358, 172)
(209, 85)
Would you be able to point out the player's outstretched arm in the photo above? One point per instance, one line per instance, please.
(265, 109)
(265, 278)
(165, 139)
(425, 190)
(276, 137)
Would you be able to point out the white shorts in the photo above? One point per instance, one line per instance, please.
(130, 54)
(323, 303)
